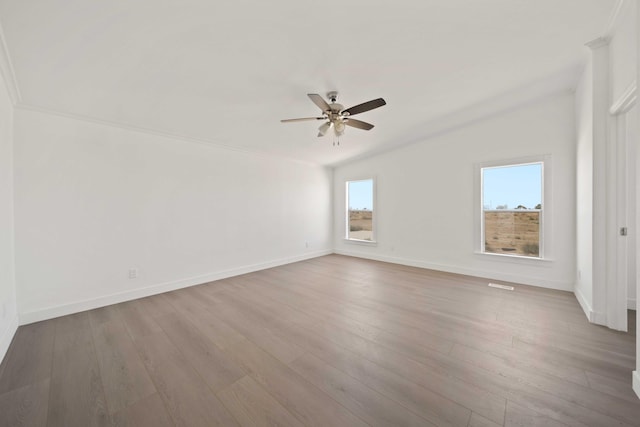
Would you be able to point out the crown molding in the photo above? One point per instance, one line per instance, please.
(607, 32)
(7, 71)
(626, 101)
(598, 42)
(160, 133)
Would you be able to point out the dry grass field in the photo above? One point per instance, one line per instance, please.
(512, 232)
(360, 224)
(506, 232)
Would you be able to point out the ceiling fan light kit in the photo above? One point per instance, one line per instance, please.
(336, 116)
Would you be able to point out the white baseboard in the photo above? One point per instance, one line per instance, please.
(514, 278)
(636, 382)
(631, 304)
(6, 336)
(90, 304)
(586, 307)
(599, 318)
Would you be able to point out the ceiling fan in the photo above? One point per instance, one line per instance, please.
(336, 116)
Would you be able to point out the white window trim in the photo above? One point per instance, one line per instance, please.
(374, 226)
(546, 217)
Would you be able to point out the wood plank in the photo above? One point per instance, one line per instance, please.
(380, 315)
(427, 403)
(67, 327)
(186, 396)
(156, 305)
(28, 360)
(394, 334)
(306, 402)
(480, 421)
(332, 340)
(106, 314)
(185, 299)
(124, 377)
(266, 338)
(26, 406)
(253, 406)
(574, 358)
(613, 409)
(424, 402)
(521, 393)
(532, 397)
(146, 412)
(371, 406)
(138, 322)
(215, 367)
(76, 392)
(469, 395)
(611, 352)
(610, 386)
(535, 362)
(217, 330)
(517, 415)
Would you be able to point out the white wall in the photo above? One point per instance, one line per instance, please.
(8, 310)
(584, 189)
(425, 195)
(93, 201)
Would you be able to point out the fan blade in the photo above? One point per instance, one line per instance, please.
(361, 108)
(322, 130)
(358, 124)
(303, 119)
(319, 101)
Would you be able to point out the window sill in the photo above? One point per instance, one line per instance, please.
(514, 259)
(361, 242)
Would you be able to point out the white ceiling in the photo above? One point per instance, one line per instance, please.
(227, 71)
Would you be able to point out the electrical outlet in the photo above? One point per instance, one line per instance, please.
(133, 273)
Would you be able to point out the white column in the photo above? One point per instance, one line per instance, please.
(601, 99)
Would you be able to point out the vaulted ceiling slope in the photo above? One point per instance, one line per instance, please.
(227, 72)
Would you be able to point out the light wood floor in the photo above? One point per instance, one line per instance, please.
(333, 341)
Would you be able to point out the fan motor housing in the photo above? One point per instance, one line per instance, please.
(336, 116)
(335, 107)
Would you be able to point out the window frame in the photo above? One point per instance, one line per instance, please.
(374, 218)
(545, 232)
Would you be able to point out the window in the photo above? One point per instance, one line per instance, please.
(360, 210)
(512, 209)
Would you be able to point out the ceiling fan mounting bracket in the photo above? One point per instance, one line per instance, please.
(333, 95)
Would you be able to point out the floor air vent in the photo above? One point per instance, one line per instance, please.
(505, 287)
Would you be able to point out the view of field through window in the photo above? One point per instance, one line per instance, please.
(360, 210)
(512, 207)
